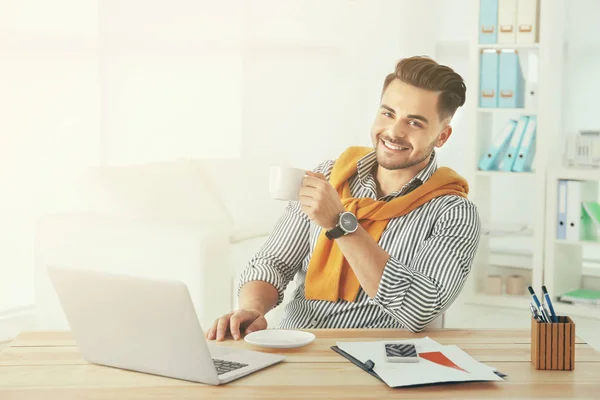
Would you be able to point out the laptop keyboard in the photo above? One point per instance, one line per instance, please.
(224, 367)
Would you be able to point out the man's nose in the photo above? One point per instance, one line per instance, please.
(396, 130)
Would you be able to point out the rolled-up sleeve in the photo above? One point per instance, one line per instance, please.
(417, 293)
(280, 258)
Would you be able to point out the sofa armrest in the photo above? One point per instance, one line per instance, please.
(196, 254)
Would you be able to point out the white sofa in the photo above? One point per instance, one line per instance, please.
(199, 221)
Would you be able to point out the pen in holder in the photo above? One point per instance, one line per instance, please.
(553, 344)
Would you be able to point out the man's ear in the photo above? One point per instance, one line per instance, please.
(444, 136)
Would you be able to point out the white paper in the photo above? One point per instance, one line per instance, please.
(424, 371)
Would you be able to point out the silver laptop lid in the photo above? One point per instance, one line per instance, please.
(136, 323)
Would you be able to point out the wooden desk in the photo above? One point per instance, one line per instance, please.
(47, 365)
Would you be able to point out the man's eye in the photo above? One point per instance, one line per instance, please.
(387, 114)
(415, 123)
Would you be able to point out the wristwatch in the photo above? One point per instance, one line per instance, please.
(347, 223)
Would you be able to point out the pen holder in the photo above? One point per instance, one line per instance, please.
(553, 344)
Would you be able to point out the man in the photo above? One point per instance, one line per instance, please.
(380, 238)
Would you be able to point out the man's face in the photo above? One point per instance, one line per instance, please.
(407, 126)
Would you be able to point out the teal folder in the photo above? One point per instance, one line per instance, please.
(526, 151)
(508, 160)
(511, 84)
(488, 76)
(489, 161)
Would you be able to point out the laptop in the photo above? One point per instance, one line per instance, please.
(146, 325)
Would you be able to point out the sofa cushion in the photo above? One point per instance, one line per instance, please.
(243, 187)
(173, 191)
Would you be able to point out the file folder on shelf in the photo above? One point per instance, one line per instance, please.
(489, 161)
(507, 21)
(579, 192)
(526, 151)
(530, 100)
(561, 229)
(488, 95)
(592, 209)
(528, 12)
(488, 21)
(510, 80)
(589, 228)
(508, 160)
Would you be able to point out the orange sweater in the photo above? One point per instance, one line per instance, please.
(329, 276)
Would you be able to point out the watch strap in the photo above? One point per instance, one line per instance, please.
(335, 233)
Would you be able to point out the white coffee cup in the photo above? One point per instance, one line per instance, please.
(285, 182)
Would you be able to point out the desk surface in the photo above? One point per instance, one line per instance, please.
(47, 365)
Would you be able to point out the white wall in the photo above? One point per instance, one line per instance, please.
(171, 76)
(313, 71)
(88, 82)
(50, 124)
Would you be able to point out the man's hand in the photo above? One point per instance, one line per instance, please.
(320, 201)
(247, 319)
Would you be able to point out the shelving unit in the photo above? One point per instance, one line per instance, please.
(485, 124)
(564, 269)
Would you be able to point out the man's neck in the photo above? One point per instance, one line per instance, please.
(390, 181)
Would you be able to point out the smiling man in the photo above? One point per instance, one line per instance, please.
(381, 237)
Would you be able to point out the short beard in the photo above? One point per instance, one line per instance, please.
(391, 166)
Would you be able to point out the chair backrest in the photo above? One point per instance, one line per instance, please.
(437, 323)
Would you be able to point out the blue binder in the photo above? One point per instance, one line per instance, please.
(513, 147)
(526, 151)
(488, 94)
(489, 161)
(511, 93)
(488, 21)
(561, 230)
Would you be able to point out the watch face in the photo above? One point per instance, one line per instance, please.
(348, 222)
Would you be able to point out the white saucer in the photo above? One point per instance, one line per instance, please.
(279, 338)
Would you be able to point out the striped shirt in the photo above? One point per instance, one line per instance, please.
(431, 251)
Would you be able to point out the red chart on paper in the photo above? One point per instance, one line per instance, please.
(439, 358)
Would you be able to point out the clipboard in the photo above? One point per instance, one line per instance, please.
(368, 366)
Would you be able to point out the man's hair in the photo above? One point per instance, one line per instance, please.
(425, 73)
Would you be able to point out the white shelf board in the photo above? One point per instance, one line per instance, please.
(528, 233)
(504, 173)
(517, 261)
(525, 111)
(516, 46)
(502, 300)
(584, 174)
(578, 242)
(577, 310)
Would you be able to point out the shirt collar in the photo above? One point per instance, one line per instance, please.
(367, 163)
